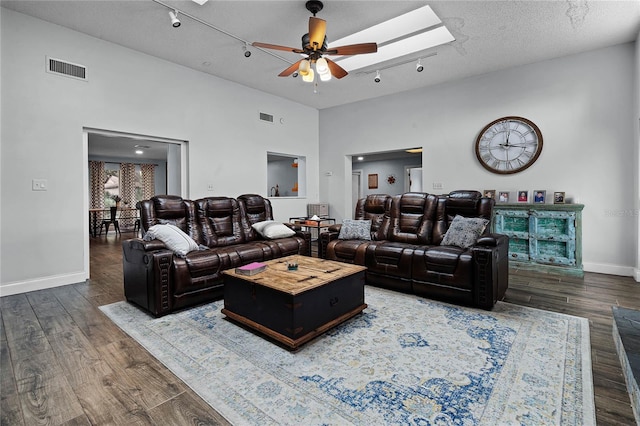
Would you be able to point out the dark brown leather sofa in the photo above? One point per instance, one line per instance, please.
(161, 282)
(405, 251)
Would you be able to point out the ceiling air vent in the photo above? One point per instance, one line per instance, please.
(60, 67)
(266, 117)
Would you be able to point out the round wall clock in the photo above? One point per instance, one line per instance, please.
(509, 145)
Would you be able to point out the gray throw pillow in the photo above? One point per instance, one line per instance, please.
(173, 237)
(355, 230)
(464, 231)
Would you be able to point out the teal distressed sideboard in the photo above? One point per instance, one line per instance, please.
(542, 237)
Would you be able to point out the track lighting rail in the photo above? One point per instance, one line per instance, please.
(397, 64)
(220, 30)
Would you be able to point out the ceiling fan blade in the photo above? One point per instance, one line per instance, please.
(290, 70)
(317, 31)
(353, 49)
(336, 70)
(276, 47)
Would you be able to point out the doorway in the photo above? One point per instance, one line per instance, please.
(122, 146)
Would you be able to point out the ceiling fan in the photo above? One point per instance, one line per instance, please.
(314, 45)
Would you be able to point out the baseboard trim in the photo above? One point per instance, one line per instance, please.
(18, 287)
(602, 268)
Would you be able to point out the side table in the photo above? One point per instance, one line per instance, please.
(311, 224)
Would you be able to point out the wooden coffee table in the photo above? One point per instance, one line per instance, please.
(293, 307)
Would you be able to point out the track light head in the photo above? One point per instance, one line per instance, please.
(246, 51)
(419, 66)
(173, 14)
(377, 79)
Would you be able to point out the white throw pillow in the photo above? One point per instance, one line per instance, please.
(271, 230)
(464, 231)
(172, 237)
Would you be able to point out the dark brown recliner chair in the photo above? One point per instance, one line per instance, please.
(410, 223)
(256, 209)
(373, 207)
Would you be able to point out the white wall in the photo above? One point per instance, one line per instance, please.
(44, 234)
(636, 95)
(384, 169)
(583, 105)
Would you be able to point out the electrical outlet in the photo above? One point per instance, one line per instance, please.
(437, 185)
(210, 187)
(39, 185)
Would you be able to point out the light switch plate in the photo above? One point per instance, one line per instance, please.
(39, 185)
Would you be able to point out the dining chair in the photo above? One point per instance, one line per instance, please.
(136, 224)
(112, 219)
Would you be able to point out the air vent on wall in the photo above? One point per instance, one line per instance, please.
(68, 69)
(266, 117)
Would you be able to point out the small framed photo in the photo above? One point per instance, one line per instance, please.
(558, 198)
(523, 196)
(539, 196)
(503, 196)
(489, 193)
(373, 181)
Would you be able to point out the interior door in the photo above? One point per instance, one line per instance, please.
(356, 189)
(415, 179)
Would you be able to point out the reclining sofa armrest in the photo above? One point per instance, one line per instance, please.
(491, 270)
(325, 238)
(306, 235)
(140, 244)
(335, 228)
(493, 240)
(147, 275)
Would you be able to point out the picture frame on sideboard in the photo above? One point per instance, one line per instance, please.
(539, 196)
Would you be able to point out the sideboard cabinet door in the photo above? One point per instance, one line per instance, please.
(515, 225)
(542, 237)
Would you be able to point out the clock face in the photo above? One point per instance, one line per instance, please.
(509, 145)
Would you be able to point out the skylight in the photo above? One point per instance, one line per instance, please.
(414, 31)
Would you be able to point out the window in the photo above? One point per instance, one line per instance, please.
(112, 187)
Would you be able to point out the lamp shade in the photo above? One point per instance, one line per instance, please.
(309, 77)
(304, 68)
(322, 66)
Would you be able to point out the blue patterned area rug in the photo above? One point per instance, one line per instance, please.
(404, 360)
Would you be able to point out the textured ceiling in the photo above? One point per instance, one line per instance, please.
(490, 35)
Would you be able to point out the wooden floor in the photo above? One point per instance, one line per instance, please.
(64, 362)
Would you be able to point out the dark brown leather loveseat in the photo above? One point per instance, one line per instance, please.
(161, 282)
(405, 251)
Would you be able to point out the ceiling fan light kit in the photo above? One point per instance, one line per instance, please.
(314, 46)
